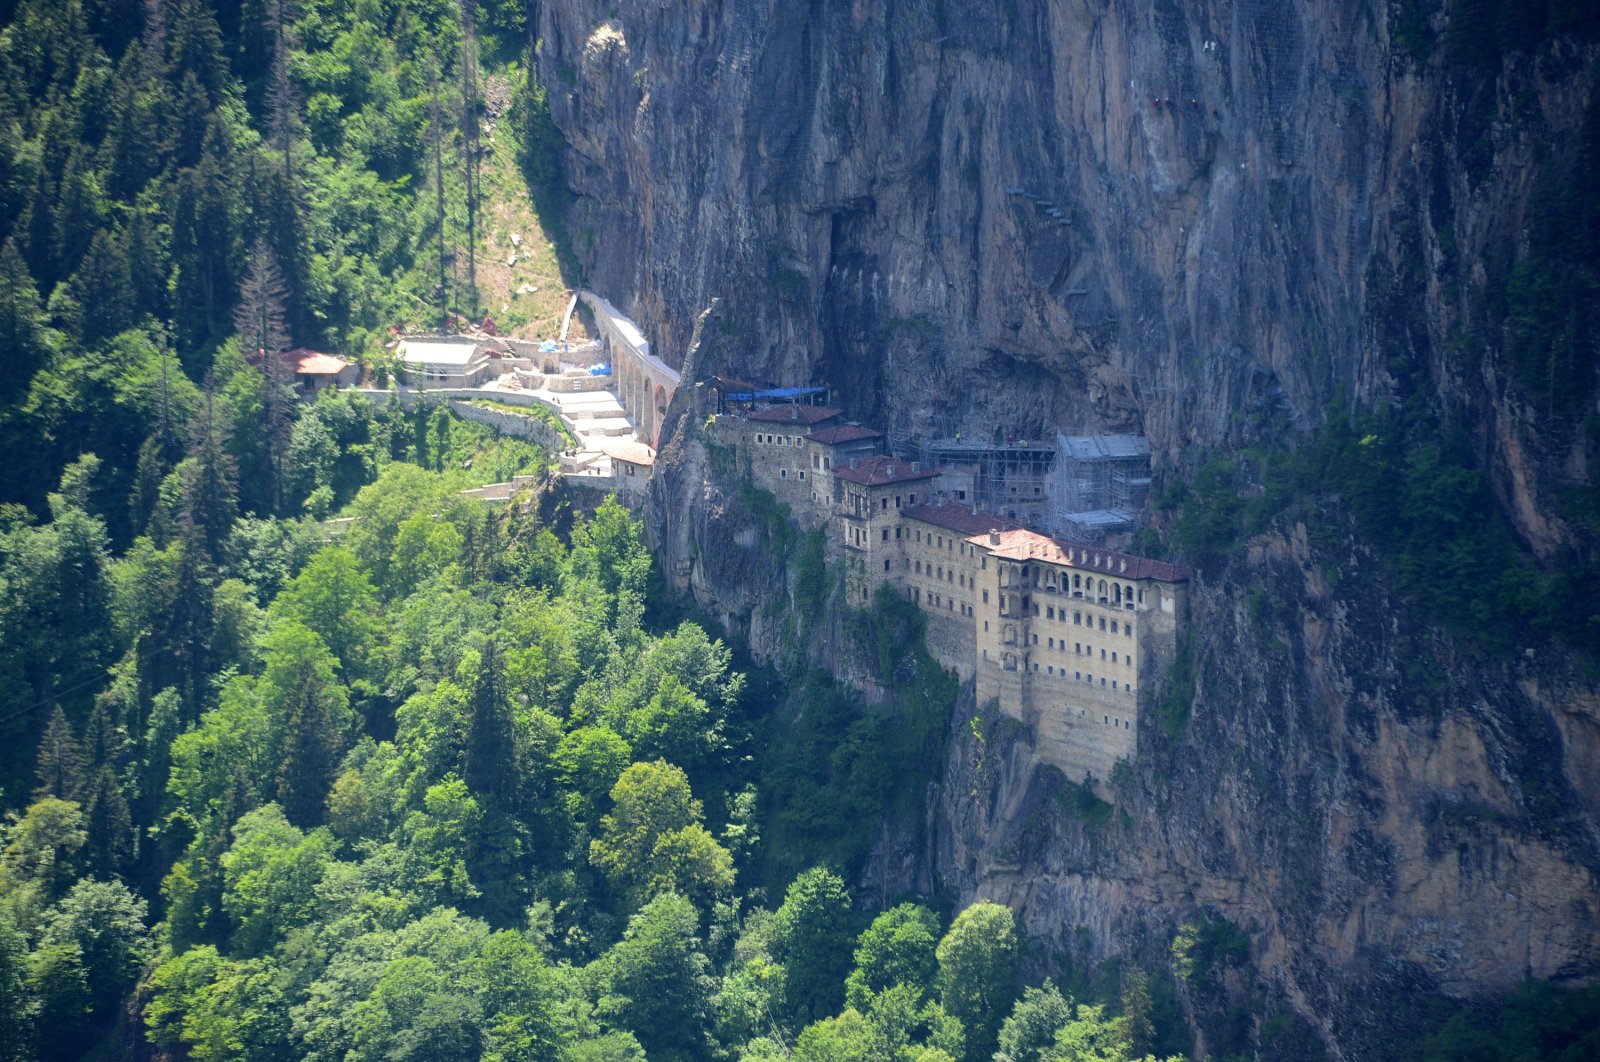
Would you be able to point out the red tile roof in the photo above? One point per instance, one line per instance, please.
(881, 470)
(1022, 544)
(843, 433)
(962, 519)
(796, 414)
(311, 363)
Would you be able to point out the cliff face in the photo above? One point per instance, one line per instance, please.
(1208, 222)
(1383, 816)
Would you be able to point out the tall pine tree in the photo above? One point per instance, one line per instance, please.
(60, 770)
(490, 771)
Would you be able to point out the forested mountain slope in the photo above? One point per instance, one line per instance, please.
(433, 779)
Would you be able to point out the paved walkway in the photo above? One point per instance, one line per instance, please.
(591, 415)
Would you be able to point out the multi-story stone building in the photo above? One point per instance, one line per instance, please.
(1071, 632)
(1061, 636)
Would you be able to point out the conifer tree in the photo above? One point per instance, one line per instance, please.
(108, 847)
(261, 322)
(22, 330)
(260, 319)
(470, 144)
(60, 770)
(77, 214)
(301, 686)
(145, 497)
(103, 290)
(436, 149)
(490, 771)
(210, 485)
(205, 207)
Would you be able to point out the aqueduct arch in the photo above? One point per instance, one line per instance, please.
(644, 383)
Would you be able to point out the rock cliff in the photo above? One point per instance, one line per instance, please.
(1211, 223)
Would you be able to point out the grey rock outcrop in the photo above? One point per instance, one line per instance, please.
(1207, 222)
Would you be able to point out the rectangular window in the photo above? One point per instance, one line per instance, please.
(986, 601)
(886, 534)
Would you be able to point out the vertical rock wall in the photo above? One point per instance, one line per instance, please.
(1206, 221)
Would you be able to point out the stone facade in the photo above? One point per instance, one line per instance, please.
(1059, 635)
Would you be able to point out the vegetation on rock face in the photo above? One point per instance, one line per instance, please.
(1420, 503)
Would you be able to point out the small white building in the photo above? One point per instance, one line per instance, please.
(445, 361)
(314, 372)
(631, 462)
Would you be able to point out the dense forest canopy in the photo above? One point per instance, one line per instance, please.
(434, 779)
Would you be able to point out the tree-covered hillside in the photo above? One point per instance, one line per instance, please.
(429, 780)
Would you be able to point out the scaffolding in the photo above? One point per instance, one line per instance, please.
(1098, 485)
(1003, 474)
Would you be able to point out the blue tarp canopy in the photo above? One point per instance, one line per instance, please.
(776, 394)
(599, 370)
(547, 347)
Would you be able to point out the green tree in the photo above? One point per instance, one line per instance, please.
(978, 972)
(589, 760)
(210, 482)
(300, 687)
(492, 773)
(16, 1001)
(655, 980)
(521, 1002)
(102, 288)
(437, 842)
(270, 875)
(1029, 1034)
(653, 841)
(60, 770)
(418, 1011)
(898, 948)
(109, 841)
(98, 931)
(815, 926)
(334, 597)
(22, 324)
(39, 861)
